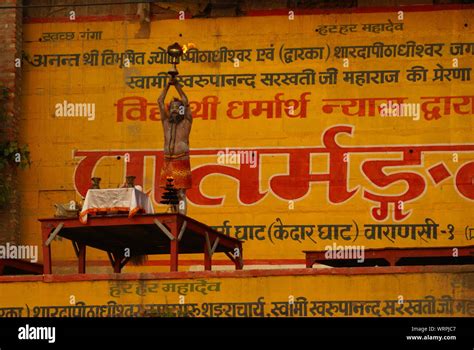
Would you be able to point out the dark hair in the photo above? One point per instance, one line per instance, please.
(175, 99)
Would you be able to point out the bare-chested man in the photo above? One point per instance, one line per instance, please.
(176, 119)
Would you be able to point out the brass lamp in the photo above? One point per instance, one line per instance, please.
(175, 51)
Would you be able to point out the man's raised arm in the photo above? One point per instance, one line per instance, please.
(184, 99)
(161, 101)
(181, 93)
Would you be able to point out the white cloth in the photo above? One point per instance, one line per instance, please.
(114, 199)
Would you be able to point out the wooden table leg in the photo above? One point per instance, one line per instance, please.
(114, 261)
(309, 261)
(117, 263)
(47, 267)
(174, 247)
(82, 258)
(240, 259)
(207, 257)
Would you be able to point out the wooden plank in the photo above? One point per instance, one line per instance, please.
(230, 256)
(111, 258)
(54, 233)
(124, 262)
(76, 249)
(181, 232)
(164, 229)
(214, 247)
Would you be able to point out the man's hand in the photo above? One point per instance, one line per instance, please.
(173, 80)
(182, 95)
(161, 99)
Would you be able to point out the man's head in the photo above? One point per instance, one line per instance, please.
(176, 110)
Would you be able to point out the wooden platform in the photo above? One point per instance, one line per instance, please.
(147, 234)
(398, 257)
(19, 267)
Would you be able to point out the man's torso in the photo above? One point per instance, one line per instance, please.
(176, 137)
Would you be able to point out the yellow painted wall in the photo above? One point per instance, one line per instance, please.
(437, 293)
(55, 142)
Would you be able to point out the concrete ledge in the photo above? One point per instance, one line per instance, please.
(242, 274)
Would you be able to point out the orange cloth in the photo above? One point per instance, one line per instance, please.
(178, 169)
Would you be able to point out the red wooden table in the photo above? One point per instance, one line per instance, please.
(398, 257)
(145, 234)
